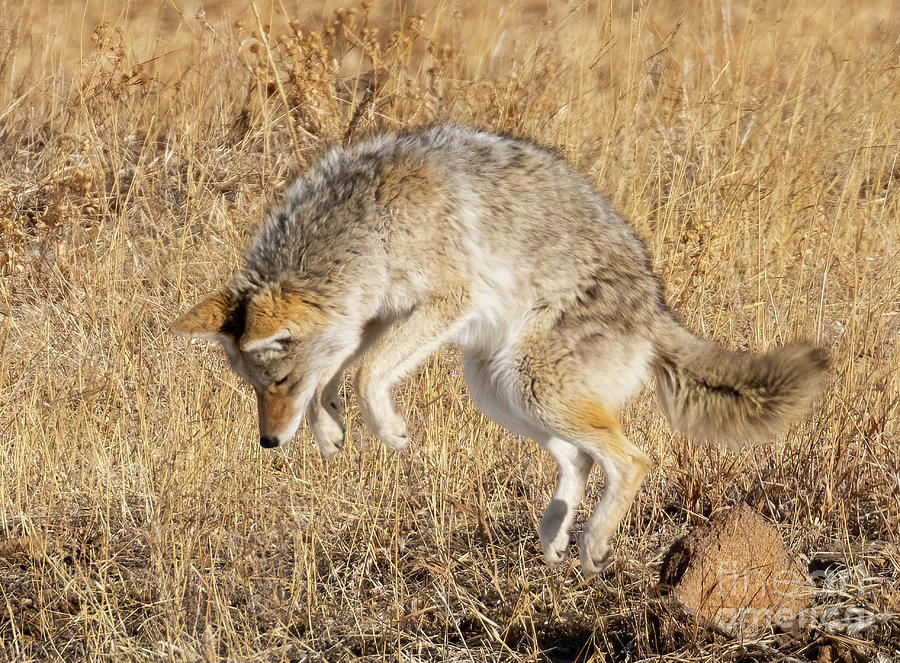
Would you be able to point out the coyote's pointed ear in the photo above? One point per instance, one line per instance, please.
(276, 315)
(213, 318)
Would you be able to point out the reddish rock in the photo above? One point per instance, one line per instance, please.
(736, 573)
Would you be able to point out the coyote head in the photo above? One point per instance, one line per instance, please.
(269, 336)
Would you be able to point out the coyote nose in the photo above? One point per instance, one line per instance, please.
(268, 442)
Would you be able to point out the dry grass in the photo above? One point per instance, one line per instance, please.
(755, 147)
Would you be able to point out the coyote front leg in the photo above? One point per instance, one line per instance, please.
(325, 413)
(400, 348)
(326, 417)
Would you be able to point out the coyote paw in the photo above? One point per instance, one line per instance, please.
(595, 556)
(555, 551)
(329, 434)
(331, 448)
(393, 434)
(384, 422)
(394, 441)
(554, 532)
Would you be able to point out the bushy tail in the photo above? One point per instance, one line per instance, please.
(709, 393)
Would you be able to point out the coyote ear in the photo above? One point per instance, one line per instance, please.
(212, 318)
(276, 315)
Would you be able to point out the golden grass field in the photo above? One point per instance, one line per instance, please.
(754, 146)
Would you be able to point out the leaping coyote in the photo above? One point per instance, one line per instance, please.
(387, 249)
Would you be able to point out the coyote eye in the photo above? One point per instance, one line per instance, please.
(282, 380)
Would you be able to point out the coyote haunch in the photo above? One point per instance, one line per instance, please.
(389, 248)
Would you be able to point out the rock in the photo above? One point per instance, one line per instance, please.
(736, 573)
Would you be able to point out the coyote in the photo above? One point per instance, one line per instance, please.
(385, 250)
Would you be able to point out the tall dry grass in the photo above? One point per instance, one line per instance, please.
(755, 147)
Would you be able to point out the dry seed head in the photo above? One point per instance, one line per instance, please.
(100, 35)
(443, 53)
(414, 23)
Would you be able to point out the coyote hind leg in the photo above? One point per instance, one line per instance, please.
(574, 467)
(596, 431)
(562, 389)
(487, 379)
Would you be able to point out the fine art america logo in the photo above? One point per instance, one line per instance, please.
(782, 599)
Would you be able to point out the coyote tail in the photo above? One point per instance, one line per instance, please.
(713, 394)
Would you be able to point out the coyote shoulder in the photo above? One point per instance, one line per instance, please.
(387, 249)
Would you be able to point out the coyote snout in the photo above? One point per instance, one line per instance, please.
(276, 414)
(390, 248)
